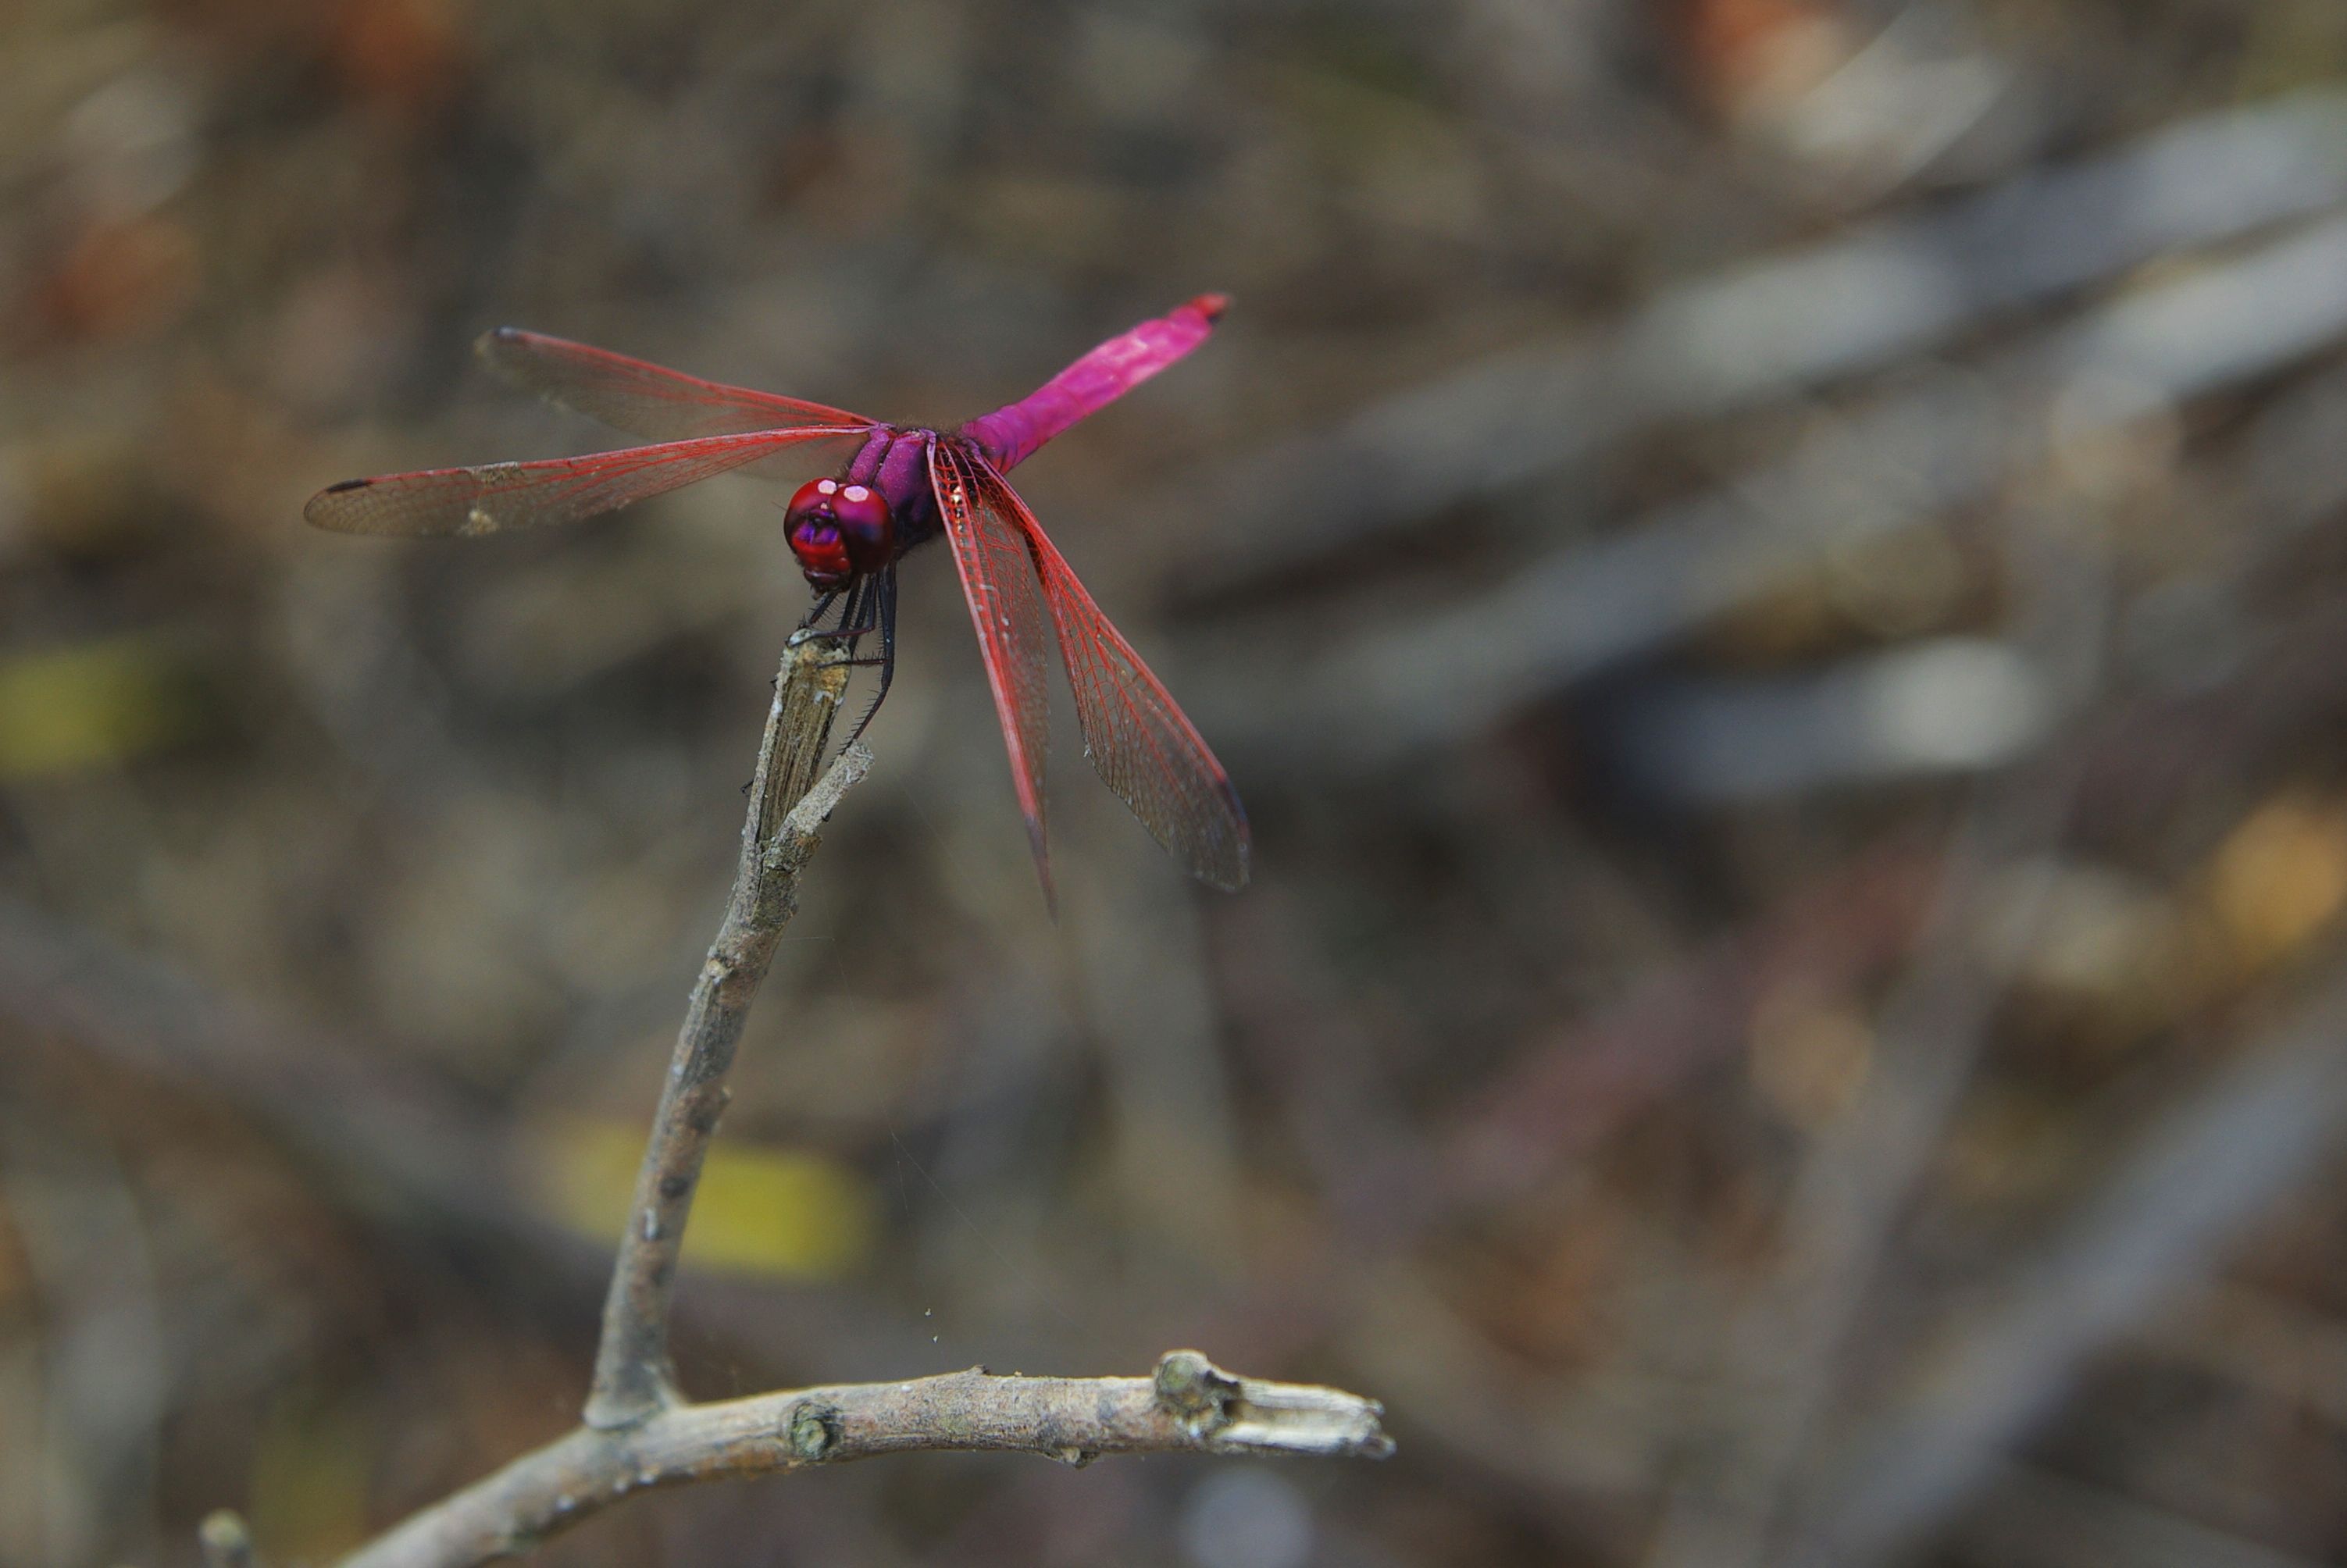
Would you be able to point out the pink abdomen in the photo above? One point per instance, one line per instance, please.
(1011, 434)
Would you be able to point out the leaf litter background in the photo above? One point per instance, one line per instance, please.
(1769, 570)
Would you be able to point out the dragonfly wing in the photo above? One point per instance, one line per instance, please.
(641, 398)
(499, 496)
(1135, 734)
(998, 579)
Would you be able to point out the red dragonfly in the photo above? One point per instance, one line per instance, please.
(899, 486)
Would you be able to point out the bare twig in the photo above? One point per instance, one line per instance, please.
(639, 1432)
(633, 1376)
(1190, 1405)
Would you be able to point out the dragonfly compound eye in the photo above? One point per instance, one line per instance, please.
(839, 531)
(864, 523)
(813, 523)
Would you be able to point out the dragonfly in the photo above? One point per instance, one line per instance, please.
(896, 488)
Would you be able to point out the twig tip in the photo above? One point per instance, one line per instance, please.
(1224, 1413)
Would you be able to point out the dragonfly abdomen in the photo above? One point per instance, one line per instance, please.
(1011, 434)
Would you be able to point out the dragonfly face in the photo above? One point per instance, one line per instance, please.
(839, 531)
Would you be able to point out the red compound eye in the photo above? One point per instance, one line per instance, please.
(864, 522)
(813, 524)
(837, 530)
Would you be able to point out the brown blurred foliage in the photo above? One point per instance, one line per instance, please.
(1769, 572)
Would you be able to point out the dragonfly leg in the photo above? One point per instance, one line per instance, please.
(822, 603)
(884, 594)
(856, 615)
(859, 616)
(811, 624)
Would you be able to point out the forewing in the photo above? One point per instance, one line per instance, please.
(641, 398)
(1135, 734)
(498, 495)
(998, 579)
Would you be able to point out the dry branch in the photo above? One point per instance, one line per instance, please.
(1190, 1405)
(633, 1376)
(639, 1432)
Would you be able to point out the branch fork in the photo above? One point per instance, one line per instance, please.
(638, 1430)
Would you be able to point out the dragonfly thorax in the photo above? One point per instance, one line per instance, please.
(839, 531)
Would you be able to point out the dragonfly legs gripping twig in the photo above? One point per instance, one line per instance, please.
(883, 600)
(866, 605)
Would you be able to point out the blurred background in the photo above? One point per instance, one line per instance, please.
(1769, 572)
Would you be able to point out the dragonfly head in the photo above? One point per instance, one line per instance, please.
(839, 531)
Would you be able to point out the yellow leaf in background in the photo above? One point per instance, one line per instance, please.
(311, 1466)
(761, 1210)
(2281, 876)
(71, 708)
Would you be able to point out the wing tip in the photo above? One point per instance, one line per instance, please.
(1227, 876)
(1230, 878)
(492, 343)
(1043, 867)
(322, 510)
